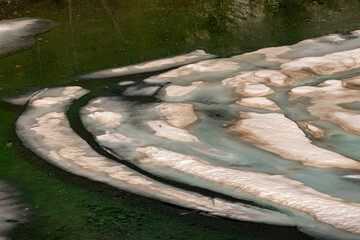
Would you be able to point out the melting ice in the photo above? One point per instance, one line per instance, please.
(257, 130)
(18, 33)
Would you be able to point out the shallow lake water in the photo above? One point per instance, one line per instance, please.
(91, 35)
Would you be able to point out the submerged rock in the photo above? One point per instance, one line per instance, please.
(312, 128)
(18, 33)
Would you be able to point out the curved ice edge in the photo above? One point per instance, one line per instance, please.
(22, 99)
(44, 128)
(17, 33)
(150, 66)
(312, 47)
(274, 188)
(278, 134)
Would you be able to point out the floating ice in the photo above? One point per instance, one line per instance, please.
(232, 127)
(141, 91)
(352, 176)
(21, 99)
(178, 114)
(124, 83)
(273, 188)
(46, 131)
(198, 71)
(325, 100)
(163, 129)
(274, 56)
(238, 183)
(247, 88)
(110, 119)
(258, 102)
(151, 66)
(312, 129)
(276, 133)
(17, 33)
(333, 63)
(179, 91)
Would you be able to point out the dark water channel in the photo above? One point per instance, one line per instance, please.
(98, 34)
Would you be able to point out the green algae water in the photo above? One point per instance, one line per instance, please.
(92, 35)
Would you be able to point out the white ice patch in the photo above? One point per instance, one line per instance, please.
(197, 71)
(247, 87)
(273, 56)
(350, 120)
(179, 91)
(141, 91)
(272, 76)
(278, 134)
(17, 33)
(326, 99)
(114, 137)
(352, 176)
(258, 102)
(151, 66)
(21, 99)
(165, 130)
(333, 63)
(177, 114)
(192, 137)
(274, 188)
(108, 119)
(46, 131)
(316, 131)
(124, 83)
